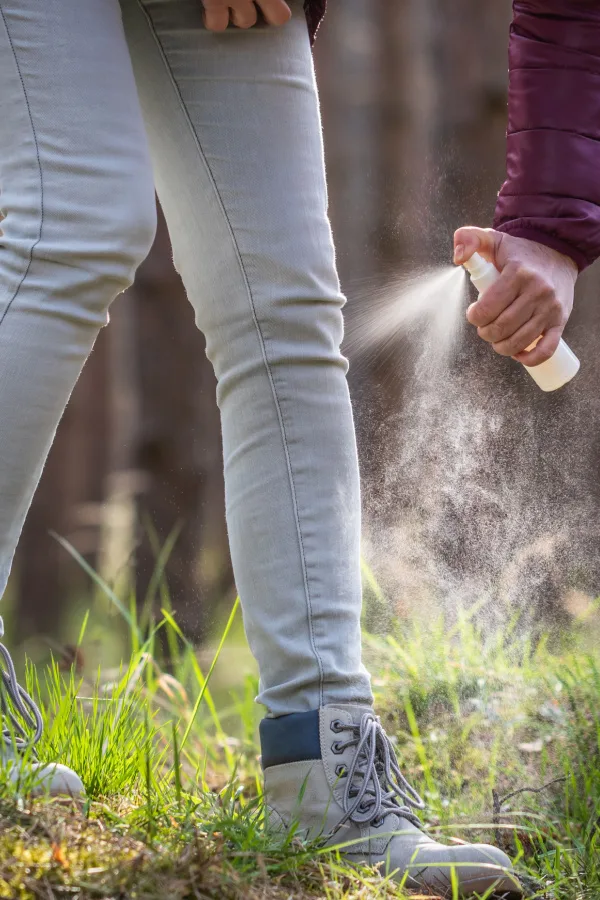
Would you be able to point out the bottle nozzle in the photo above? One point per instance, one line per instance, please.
(477, 265)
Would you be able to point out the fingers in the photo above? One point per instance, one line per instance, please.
(516, 281)
(524, 337)
(470, 240)
(497, 298)
(517, 314)
(276, 12)
(216, 15)
(532, 297)
(543, 350)
(244, 15)
(515, 311)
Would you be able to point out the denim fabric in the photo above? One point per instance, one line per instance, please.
(227, 127)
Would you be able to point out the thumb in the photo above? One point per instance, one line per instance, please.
(470, 240)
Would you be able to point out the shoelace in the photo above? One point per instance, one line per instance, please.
(16, 706)
(375, 782)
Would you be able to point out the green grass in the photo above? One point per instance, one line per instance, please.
(172, 775)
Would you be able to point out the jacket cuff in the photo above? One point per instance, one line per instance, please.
(531, 233)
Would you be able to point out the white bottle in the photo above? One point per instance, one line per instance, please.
(549, 375)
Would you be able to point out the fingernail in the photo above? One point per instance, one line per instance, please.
(459, 251)
(469, 308)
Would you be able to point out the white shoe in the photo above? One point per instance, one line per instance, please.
(40, 779)
(19, 712)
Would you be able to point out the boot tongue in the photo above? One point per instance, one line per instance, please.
(354, 710)
(370, 784)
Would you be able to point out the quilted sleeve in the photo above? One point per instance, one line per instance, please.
(552, 190)
(315, 10)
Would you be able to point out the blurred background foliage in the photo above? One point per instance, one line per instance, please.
(413, 97)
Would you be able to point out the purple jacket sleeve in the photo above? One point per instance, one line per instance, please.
(315, 10)
(552, 191)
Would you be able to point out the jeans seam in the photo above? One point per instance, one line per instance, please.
(263, 348)
(40, 171)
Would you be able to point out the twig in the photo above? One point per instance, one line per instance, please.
(528, 790)
(498, 802)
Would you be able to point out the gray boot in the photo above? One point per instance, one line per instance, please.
(334, 772)
(19, 711)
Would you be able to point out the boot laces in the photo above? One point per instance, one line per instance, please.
(376, 786)
(18, 709)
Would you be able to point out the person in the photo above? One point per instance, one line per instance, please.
(216, 105)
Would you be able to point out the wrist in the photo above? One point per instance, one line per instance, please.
(577, 260)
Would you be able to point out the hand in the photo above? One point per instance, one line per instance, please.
(243, 13)
(532, 297)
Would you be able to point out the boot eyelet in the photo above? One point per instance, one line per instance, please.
(378, 822)
(337, 748)
(336, 726)
(341, 771)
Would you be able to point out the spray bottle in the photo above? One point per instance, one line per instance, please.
(549, 375)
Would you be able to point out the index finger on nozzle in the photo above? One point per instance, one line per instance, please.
(469, 240)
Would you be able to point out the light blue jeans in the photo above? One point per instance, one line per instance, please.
(98, 103)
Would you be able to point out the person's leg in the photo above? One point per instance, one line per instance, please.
(234, 129)
(78, 199)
